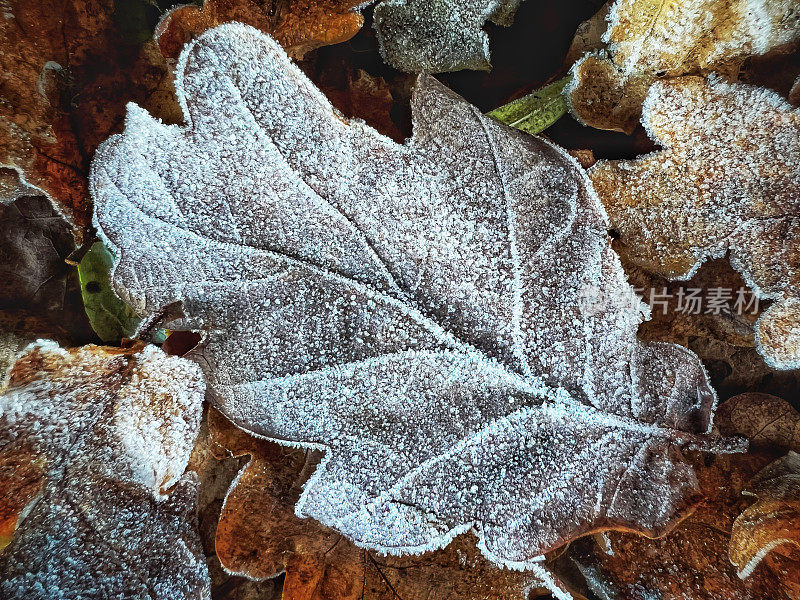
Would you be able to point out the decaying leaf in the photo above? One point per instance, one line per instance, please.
(398, 306)
(109, 316)
(93, 443)
(39, 292)
(691, 562)
(299, 25)
(774, 519)
(433, 36)
(259, 536)
(727, 180)
(65, 76)
(647, 40)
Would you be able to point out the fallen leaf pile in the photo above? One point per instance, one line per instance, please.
(375, 335)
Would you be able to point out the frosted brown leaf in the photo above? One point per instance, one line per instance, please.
(727, 180)
(646, 40)
(93, 504)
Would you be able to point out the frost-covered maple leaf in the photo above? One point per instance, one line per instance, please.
(93, 445)
(445, 318)
(727, 180)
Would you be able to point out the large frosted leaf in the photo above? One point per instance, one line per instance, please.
(445, 318)
(93, 505)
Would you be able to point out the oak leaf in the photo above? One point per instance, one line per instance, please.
(93, 445)
(434, 36)
(445, 318)
(647, 40)
(691, 562)
(726, 181)
(259, 536)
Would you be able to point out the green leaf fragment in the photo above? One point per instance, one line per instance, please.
(537, 111)
(109, 316)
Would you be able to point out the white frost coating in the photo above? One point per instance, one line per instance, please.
(359, 296)
(691, 35)
(109, 430)
(434, 36)
(727, 180)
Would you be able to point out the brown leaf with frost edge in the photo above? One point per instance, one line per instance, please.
(691, 562)
(65, 77)
(398, 306)
(93, 504)
(774, 519)
(726, 181)
(647, 40)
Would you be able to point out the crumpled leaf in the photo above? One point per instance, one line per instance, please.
(299, 26)
(535, 112)
(259, 536)
(109, 316)
(647, 40)
(39, 291)
(66, 74)
(397, 306)
(691, 562)
(726, 181)
(93, 443)
(774, 519)
(434, 36)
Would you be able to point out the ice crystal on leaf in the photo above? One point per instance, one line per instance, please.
(93, 445)
(432, 36)
(418, 311)
(646, 40)
(727, 180)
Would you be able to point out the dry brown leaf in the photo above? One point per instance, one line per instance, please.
(647, 40)
(39, 293)
(726, 181)
(259, 536)
(774, 519)
(691, 562)
(93, 504)
(66, 74)
(298, 25)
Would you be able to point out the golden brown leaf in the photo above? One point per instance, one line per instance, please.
(726, 181)
(298, 25)
(259, 536)
(774, 519)
(647, 40)
(66, 74)
(691, 562)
